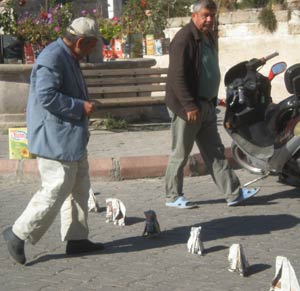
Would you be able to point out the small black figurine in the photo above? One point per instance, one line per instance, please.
(152, 228)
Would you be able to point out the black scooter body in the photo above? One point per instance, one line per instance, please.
(266, 136)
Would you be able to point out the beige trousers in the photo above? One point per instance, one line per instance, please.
(65, 188)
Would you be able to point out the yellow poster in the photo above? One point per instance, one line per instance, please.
(150, 48)
(18, 145)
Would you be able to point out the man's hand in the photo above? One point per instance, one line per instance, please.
(193, 115)
(88, 108)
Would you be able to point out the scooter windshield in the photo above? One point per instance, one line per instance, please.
(236, 72)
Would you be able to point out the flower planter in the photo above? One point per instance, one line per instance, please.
(135, 41)
(29, 57)
(114, 50)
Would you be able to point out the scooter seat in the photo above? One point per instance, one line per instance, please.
(277, 114)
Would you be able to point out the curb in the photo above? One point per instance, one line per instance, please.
(124, 168)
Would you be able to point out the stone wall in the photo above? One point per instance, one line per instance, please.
(240, 41)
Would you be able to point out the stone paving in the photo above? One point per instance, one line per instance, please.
(267, 226)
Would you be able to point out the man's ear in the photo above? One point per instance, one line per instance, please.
(79, 42)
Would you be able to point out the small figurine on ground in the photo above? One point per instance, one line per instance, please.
(195, 244)
(152, 228)
(115, 211)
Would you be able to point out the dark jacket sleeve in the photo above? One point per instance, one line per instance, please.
(181, 88)
(181, 64)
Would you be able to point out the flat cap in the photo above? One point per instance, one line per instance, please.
(84, 26)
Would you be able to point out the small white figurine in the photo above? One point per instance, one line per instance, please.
(285, 276)
(195, 244)
(115, 211)
(93, 205)
(237, 260)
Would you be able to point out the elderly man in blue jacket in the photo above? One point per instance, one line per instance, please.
(58, 110)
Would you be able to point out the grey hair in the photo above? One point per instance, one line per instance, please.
(71, 37)
(208, 4)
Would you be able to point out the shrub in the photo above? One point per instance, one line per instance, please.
(113, 123)
(268, 19)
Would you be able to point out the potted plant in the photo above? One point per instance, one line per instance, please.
(111, 31)
(110, 28)
(141, 17)
(36, 30)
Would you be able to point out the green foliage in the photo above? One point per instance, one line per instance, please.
(37, 29)
(178, 8)
(110, 28)
(181, 8)
(145, 16)
(268, 19)
(112, 123)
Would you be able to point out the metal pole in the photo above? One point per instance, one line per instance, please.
(257, 179)
(1, 49)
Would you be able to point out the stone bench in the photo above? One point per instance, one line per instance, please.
(14, 87)
(135, 89)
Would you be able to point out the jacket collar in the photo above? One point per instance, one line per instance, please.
(198, 36)
(63, 45)
(74, 65)
(195, 31)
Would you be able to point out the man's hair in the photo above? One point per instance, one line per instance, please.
(73, 38)
(207, 4)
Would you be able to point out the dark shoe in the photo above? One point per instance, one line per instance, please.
(76, 247)
(15, 246)
(245, 194)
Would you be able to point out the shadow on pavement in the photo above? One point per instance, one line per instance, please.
(259, 199)
(133, 220)
(254, 269)
(270, 198)
(246, 225)
(212, 230)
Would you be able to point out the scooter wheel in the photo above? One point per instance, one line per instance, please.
(244, 161)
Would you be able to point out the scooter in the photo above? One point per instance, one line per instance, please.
(266, 136)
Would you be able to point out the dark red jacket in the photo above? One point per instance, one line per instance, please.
(184, 70)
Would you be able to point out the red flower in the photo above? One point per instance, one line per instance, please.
(143, 3)
(22, 2)
(44, 15)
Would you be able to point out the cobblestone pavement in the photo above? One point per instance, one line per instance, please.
(267, 226)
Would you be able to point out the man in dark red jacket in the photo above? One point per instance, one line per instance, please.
(191, 94)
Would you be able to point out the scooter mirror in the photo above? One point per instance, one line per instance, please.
(277, 69)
